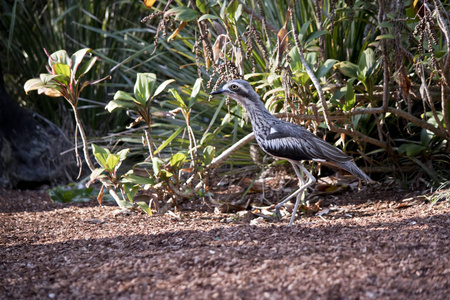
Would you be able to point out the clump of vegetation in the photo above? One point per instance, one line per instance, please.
(372, 77)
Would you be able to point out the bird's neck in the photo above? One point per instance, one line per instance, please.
(259, 115)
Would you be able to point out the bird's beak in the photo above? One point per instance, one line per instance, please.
(218, 92)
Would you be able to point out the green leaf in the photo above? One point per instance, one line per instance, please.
(425, 137)
(121, 95)
(223, 10)
(61, 69)
(315, 35)
(59, 56)
(121, 104)
(411, 149)
(77, 58)
(130, 190)
(162, 86)
(144, 87)
(385, 37)
(86, 67)
(208, 17)
(167, 142)
(201, 5)
(350, 97)
(135, 179)
(165, 175)
(386, 24)
(182, 13)
(325, 67)
(238, 13)
(366, 64)
(302, 34)
(296, 63)
(348, 69)
(195, 91)
(177, 159)
(156, 164)
(96, 174)
(144, 206)
(122, 156)
(50, 78)
(208, 155)
(232, 8)
(33, 84)
(101, 155)
(178, 100)
(112, 162)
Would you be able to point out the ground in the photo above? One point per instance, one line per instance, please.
(370, 244)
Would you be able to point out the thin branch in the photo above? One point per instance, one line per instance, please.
(91, 166)
(222, 157)
(400, 113)
(443, 25)
(426, 95)
(381, 15)
(310, 72)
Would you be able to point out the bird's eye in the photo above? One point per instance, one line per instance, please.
(234, 87)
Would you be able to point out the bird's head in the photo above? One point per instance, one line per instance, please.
(239, 90)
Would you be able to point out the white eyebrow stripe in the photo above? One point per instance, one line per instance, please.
(238, 84)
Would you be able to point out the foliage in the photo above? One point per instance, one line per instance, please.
(73, 193)
(64, 80)
(64, 77)
(370, 77)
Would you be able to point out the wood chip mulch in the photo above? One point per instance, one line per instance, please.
(378, 248)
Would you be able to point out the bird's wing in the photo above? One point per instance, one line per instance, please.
(296, 142)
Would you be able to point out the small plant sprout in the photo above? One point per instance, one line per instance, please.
(64, 79)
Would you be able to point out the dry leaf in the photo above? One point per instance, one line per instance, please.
(282, 40)
(137, 121)
(149, 3)
(100, 195)
(403, 81)
(163, 114)
(207, 62)
(239, 60)
(49, 92)
(177, 31)
(217, 48)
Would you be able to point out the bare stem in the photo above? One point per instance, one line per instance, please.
(149, 144)
(310, 72)
(91, 166)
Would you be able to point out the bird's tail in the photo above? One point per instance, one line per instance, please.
(353, 168)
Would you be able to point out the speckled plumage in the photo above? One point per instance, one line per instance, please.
(283, 139)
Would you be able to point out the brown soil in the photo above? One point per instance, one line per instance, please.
(370, 245)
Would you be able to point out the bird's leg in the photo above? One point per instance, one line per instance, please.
(301, 183)
(302, 186)
(277, 207)
(311, 180)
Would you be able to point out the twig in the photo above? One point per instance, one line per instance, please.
(442, 22)
(381, 15)
(310, 72)
(91, 166)
(222, 157)
(443, 25)
(426, 94)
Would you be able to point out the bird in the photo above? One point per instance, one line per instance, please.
(286, 140)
